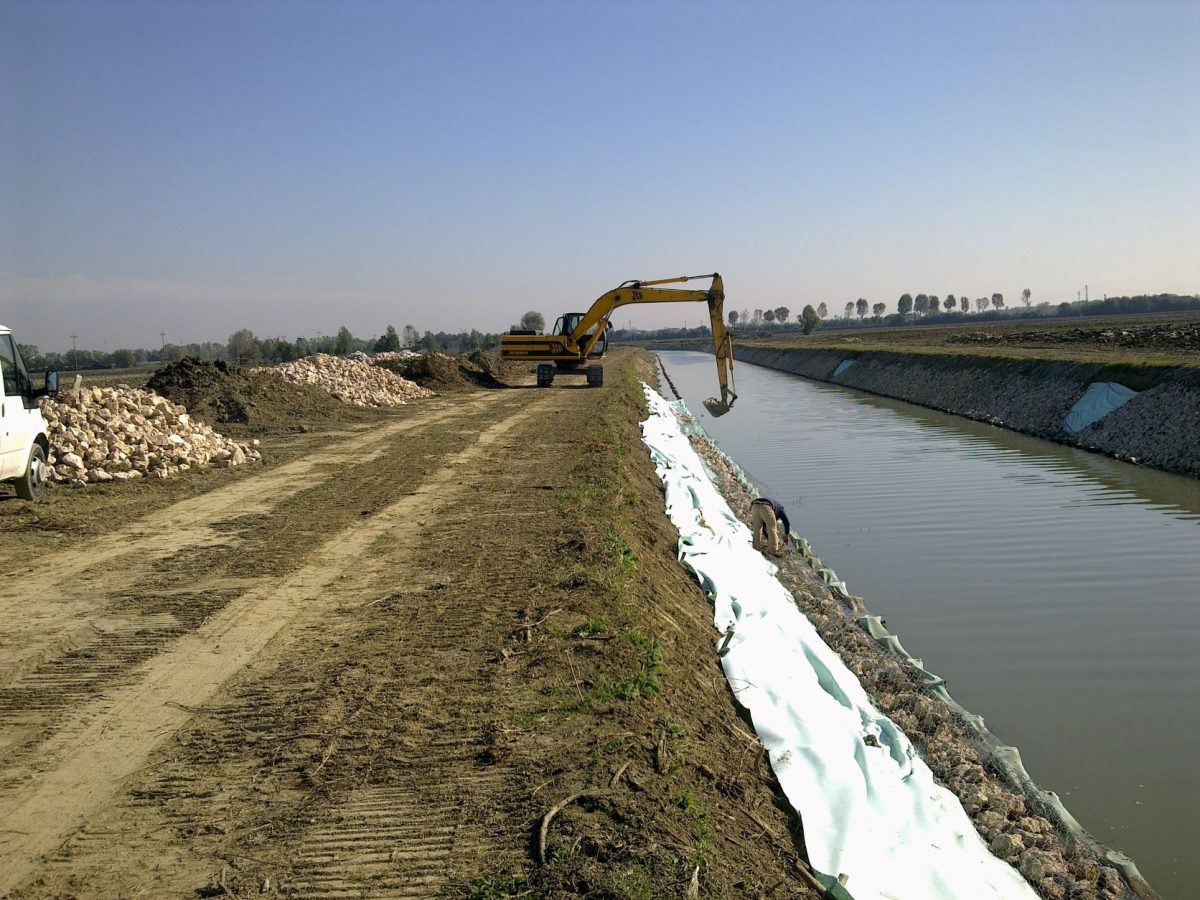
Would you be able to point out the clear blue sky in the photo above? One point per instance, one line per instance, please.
(197, 167)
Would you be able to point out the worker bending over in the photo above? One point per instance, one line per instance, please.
(766, 515)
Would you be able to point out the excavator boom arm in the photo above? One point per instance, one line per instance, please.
(587, 338)
(596, 320)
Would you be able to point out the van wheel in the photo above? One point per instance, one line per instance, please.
(32, 484)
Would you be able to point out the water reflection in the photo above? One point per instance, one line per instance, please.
(1131, 483)
(1055, 589)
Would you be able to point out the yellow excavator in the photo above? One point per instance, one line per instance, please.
(579, 338)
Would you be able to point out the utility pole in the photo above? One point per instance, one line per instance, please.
(75, 350)
(1085, 294)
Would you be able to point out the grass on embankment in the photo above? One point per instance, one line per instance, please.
(623, 689)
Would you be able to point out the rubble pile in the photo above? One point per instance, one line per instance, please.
(350, 381)
(121, 433)
(1171, 336)
(219, 393)
(383, 356)
(975, 337)
(396, 354)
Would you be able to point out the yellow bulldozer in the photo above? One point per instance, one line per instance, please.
(579, 338)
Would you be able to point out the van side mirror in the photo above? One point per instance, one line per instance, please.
(51, 384)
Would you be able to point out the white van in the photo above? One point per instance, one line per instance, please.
(24, 445)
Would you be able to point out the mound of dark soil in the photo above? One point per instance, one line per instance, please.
(216, 392)
(449, 374)
(494, 366)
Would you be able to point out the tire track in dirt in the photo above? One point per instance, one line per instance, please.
(70, 613)
(77, 653)
(451, 803)
(400, 838)
(421, 622)
(110, 737)
(184, 524)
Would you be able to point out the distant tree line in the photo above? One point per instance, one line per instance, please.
(932, 310)
(1142, 303)
(659, 334)
(246, 349)
(929, 309)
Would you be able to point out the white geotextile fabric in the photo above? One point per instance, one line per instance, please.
(872, 813)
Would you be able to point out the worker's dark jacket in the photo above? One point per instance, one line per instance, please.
(777, 508)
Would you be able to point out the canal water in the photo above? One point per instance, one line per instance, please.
(1057, 591)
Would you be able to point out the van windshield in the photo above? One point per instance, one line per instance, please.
(9, 367)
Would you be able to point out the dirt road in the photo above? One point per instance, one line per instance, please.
(356, 673)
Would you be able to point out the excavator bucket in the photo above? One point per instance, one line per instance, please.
(717, 407)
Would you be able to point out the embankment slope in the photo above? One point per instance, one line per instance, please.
(1159, 427)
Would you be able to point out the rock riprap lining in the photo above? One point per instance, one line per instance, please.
(122, 433)
(350, 381)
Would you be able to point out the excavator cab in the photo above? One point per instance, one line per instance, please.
(566, 324)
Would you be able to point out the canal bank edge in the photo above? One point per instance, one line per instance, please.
(951, 744)
(874, 819)
(1158, 427)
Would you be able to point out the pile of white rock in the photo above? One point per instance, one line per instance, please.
(121, 433)
(383, 355)
(350, 381)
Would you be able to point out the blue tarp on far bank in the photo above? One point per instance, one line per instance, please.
(1100, 398)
